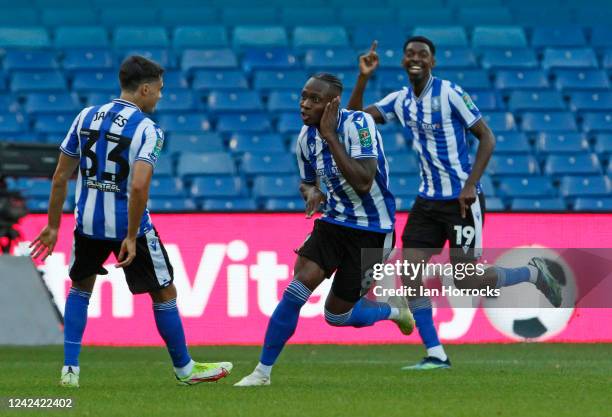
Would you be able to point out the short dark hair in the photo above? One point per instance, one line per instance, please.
(330, 79)
(421, 39)
(136, 70)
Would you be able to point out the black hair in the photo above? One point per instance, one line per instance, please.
(421, 39)
(136, 70)
(330, 79)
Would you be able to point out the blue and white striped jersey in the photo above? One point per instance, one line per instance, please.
(108, 140)
(374, 211)
(437, 121)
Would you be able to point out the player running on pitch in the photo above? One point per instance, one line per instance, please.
(450, 206)
(116, 146)
(343, 149)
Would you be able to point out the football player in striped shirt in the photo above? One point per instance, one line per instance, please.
(437, 114)
(343, 149)
(115, 147)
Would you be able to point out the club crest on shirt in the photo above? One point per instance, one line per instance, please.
(435, 104)
(365, 139)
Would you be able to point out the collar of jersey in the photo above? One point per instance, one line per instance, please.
(425, 90)
(126, 103)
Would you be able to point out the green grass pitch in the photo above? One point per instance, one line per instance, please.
(487, 380)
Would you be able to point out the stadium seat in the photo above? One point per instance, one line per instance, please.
(386, 35)
(565, 36)
(54, 124)
(260, 15)
(329, 59)
(591, 101)
(18, 17)
(394, 143)
(184, 122)
(561, 142)
(215, 163)
(205, 80)
(268, 163)
(289, 123)
(279, 80)
(515, 80)
(259, 37)
(37, 60)
(538, 204)
(87, 81)
(509, 59)
(355, 16)
(533, 14)
(33, 81)
(468, 79)
(194, 143)
(31, 37)
(81, 37)
(284, 204)
(499, 37)
(597, 122)
(512, 142)
(294, 16)
(569, 58)
(208, 59)
(217, 187)
(522, 187)
(579, 164)
(582, 80)
(513, 165)
(254, 143)
(68, 16)
(283, 101)
(500, 121)
(593, 204)
(194, 37)
(233, 204)
(305, 37)
(41, 205)
(601, 37)
(118, 16)
(234, 102)
(404, 186)
(87, 59)
(94, 99)
(585, 186)
(607, 59)
(188, 14)
(269, 59)
(41, 103)
(394, 79)
(486, 185)
(164, 168)
(548, 122)
(443, 36)
(603, 144)
(243, 123)
(453, 57)
(11, 123)
(9, 103)
(403, 163)
(404, 203)
(175, 80)
(140, 37)
(487, 100)
(160, 55)
(177, 101)
(484, 15)
(594, 15)
(535, 100)
(170, 205)
(166, 187)
(495, 204)
(272, 186)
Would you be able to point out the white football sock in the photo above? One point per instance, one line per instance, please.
(185, 370)
(395, 313)
(533, 273)
(264, 370)
(437, 352)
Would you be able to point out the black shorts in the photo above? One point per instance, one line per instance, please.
(338, 249)
(432, 222)
(149, 271)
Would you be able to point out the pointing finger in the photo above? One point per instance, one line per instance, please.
(374, 46)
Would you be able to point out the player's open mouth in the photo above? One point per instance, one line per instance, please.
(304, 116)
(415, 68)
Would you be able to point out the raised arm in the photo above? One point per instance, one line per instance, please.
(367, 65)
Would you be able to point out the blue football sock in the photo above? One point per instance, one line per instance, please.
(170, 329)
(284, 320)
(511, 276)
(364, 313)
(75, 319)
(423, 316)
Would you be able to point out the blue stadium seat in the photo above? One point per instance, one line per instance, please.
(294, 16)
(538, 204)
(404, 186)
(566, 36)
(38, 60)
(487, 15)
(521, 187)
(160, 55)
(36, 188)
(18, 17)
(170, 205)
(594, 15)
(601, 36)
(509, 59)
(259, 37)
(184, 122)
(495, 204)
(87, 81)
(597, 122)
(499, 37)
(234, 102)
(582, 80)
(329, 59)
(215, 163)
(33, 37)
(487, 100)
(585, 186)
(175, 80)
(118, 16)
(394, 143)
(94, 99)
(260, 15)
(284, 204)
(269, 59)
(268, 163)
(9, 104)
(443, 36)
(12, 123)
(511, 142)
(531, 79)
(289, 123)
(81, 37)
(140, 37)
(500, 121)
(41, 205)
(386, 35)
(254, 143)
(393, 79)
(356, 16)
(513, 165)
(535, 100)
(194, 37)
(166, 187)
(593, 204)
(3, 83)
(305, 37)
(468, 79)
(87, 59)
(188, 15)
(579, 164)
(194, 143)
(603, 144)
(389, 58)
(205, 80)
(54, 123)
(486, 185)
(430, 17)
(453, 57)
(177, 101)
(404, 203)
(272, 186)
(533, 14)
(281, 101)
(208, 59)
(42, 103)
(403, 163)
(591, 101)
(279, 80)
(570, 142)
(217, 187)
(164, 168)
(69, 16)
(569, 58)
(33, 81)
(233, 204)
(243, 123)
(548, 122)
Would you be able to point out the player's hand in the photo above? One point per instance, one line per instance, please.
(329, 120)
(467, 198)
(369, 62)
(127, 253)
(313, 200)
(44, 243)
